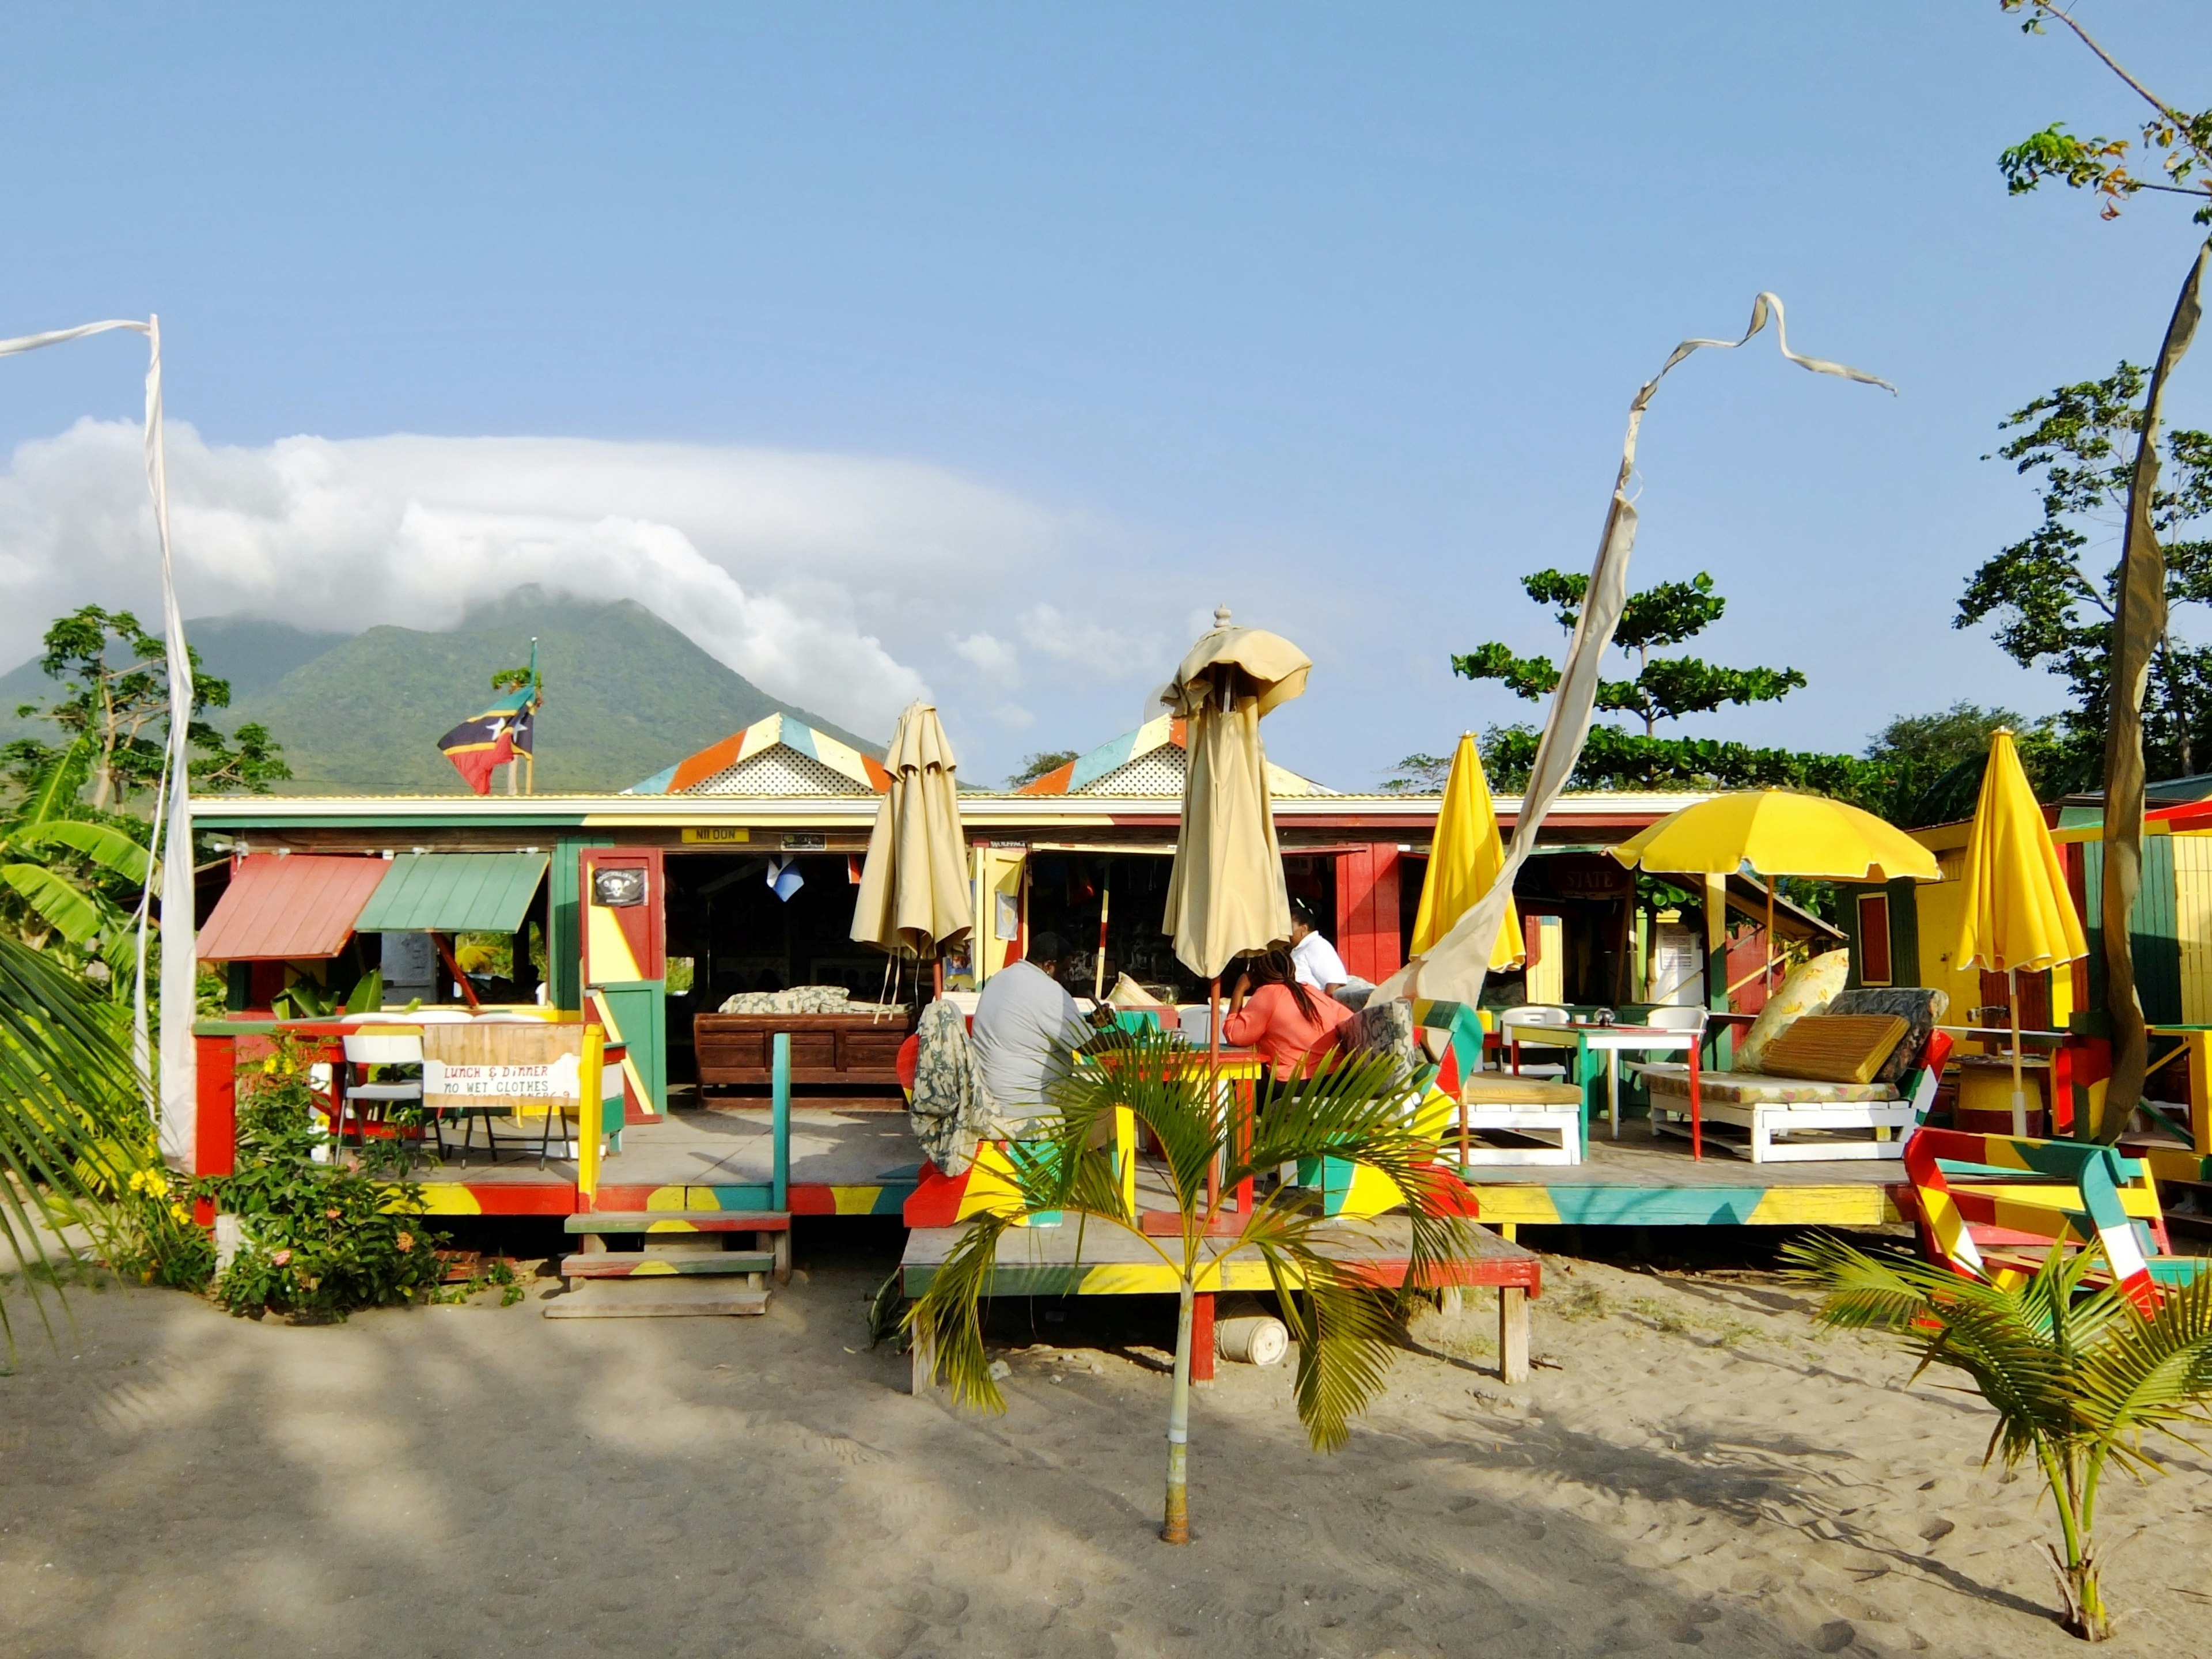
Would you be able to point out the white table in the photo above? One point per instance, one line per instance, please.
(1599, 1047)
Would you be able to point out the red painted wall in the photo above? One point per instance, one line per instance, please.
(1367, 935)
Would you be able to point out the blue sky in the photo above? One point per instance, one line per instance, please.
(988, 348)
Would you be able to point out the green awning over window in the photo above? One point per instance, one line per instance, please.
(454, 893)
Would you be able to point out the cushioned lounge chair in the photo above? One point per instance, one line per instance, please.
(1785, 1118)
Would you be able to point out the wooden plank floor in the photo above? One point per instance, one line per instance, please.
(829, 1148)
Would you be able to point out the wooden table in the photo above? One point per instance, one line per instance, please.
(1598, 1049)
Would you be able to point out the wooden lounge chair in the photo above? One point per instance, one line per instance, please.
(1982, 1197)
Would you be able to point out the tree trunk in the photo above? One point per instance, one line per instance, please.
(2139, 622)
(1176, 1528)
(2079, 1582)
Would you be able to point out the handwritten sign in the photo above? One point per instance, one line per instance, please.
(528, 1064)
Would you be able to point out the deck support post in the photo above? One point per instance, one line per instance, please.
(1201, 1338)
(923, 1359)
(1512, 1333)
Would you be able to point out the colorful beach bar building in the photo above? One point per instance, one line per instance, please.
(729, 880)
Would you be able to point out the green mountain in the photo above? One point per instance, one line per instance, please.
(626, 694)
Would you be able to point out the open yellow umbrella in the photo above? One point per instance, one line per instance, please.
(2016, 911)
(1774, 832)
(1464, 859)
(914, 887)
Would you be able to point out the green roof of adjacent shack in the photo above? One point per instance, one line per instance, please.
(454, 893)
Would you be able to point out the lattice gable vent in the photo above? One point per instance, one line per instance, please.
(779, 770)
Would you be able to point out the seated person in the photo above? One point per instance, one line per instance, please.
(1026, 1030)
(1317, 962)
(1272, 1012)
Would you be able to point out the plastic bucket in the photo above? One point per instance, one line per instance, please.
(1252, 1340)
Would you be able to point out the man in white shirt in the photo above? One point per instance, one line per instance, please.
(1314, 957)
(1318, 964)
(1025, 1032)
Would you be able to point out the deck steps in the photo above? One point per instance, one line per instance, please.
(659, 1297)
(649, 1264)
(679, 1221)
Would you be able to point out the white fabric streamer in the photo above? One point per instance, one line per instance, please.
(1455, 967)
(176, 1107)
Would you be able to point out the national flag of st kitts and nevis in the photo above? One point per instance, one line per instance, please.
(506, 728)
(492, 739)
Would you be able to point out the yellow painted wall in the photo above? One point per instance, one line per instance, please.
(2192, 924)
(1937, 907)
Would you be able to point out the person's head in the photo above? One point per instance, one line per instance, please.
(1274, 967)
(1303, 920)
(1045, 951)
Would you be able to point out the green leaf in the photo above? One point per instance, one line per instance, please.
(68, 912)
(108, 846)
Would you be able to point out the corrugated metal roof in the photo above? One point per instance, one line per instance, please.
(287, 909)
(454, 893)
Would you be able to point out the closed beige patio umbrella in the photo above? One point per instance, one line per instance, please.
(1226, 894)
(914, 887)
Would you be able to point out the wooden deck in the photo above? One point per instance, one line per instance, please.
(842, 1163)
(1639, 1182)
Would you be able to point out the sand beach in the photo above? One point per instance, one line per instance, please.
(1693, 1464)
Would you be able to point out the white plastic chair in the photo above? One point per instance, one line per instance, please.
(1534, 1014)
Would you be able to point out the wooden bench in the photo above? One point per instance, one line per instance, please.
(858, 1050)
(1523, 1108)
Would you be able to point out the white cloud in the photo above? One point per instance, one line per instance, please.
(821, 578)
(1096, 649)
(990, 656)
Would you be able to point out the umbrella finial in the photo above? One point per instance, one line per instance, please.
(1221, 615)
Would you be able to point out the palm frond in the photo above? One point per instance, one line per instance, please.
(72, 1125)
(2150, 1373)
(1345, 1330)
(945, 1321)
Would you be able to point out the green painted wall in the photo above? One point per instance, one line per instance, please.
(564, 951)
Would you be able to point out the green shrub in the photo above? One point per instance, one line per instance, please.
(318, 1239)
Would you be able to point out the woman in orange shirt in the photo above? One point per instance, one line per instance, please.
(1283, 1019)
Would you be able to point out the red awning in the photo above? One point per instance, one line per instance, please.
(288, 907)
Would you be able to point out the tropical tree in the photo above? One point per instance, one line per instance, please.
(115, 676)
(73, 1128)
(1927, 769)
(2050, 597)
(2076, 1377)
(1358, 1111)
(1662, 688)
(1044, 760)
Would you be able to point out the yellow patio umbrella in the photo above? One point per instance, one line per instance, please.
(1465, 858)
(914, 886)
(2016, 911)
(1775, 832)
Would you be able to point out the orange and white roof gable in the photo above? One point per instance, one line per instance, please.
(1151, 760)
(778, 756)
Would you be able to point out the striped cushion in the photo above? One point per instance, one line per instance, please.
(1834, 1048)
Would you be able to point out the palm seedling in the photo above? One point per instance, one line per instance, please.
(2077, 1376)
(1359, 1110)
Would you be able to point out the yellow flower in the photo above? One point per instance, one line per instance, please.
(180, 1212)
(152, 1183)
